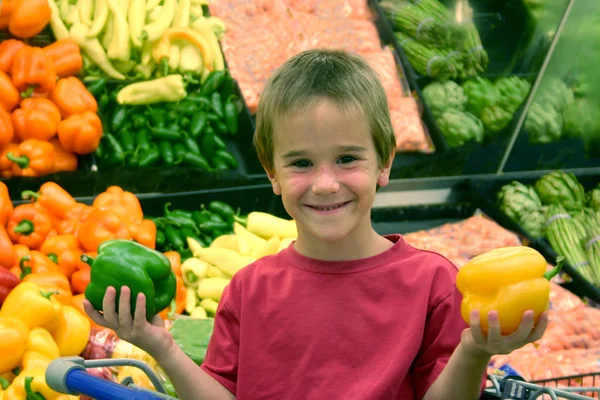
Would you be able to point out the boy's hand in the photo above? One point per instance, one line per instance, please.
(476, 344)
(150, 337)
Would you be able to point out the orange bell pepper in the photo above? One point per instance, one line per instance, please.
(6, 8)
(65, 250)
(37, 118)
(63, 160)
(54, 198)
(81, 279)
(33, 70)
(72, 97)
(55, 282)
(7, 132)
(29, 17)
(122, 203)
(29, 226)
(7, 251)
(8, 49)
(78, 305)
(66, 56)
(175, 260)
(102, 225)
(36, 262)
(179, 300)
(80, 133)
(6, 166)
(10, 95)
(33, 158)
(144, 232)
(74, 218)
(6, 205)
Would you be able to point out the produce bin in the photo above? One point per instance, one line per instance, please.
(483, 193)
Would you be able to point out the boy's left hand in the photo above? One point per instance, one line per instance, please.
(474, 341)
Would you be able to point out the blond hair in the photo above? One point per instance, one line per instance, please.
(336, 75)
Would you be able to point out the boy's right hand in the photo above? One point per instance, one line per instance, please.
(151, 337)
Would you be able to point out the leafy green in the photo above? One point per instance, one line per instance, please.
(444, 95)
(193, 336)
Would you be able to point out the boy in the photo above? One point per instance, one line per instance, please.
(342, 313)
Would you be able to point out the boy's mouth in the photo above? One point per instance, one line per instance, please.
(328, 207)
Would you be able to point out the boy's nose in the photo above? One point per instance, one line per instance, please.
(325, 182)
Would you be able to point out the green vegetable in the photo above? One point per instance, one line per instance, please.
(227, 158)
(166, 153)
(231, 117)
(556, 93)
(127, 263)
(581, 118)
(149, 156)
(161, 239)
(544, 124)
(170, 134)
(533, 222)
(192, 336)
(516, 200)
(222, 209)
(113, 154)
(166, 89)
(179, 151)
(118, 118)
(211, 227)
(127, 139)
(191, 145)
(460, 127)
(217, 105)
(179, 218)
(96, 87)
(593, 198)
(513, 92)
(481, 93)
(444, 95)
(196, 161)
(559, 187)
(427, 61)
(208, 143)
(213, 82)
(495, 118)
(174, 237)
(157, 118)
(198, 124)
(143, 139)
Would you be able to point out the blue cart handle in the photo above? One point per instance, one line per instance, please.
(68, 375)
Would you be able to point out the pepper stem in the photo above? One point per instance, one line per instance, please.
(48, 294)
(26, 94)
(554, 271)
(29, 391)
(4, 383)
(25, 228)
(24, 272)
(87, 259)
(164, 65)
(28, 194)
(22, 162)
(53, 257)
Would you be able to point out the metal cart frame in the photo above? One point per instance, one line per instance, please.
(515, 387)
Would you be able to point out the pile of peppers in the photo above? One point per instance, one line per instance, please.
(160, 132)
(24, 18)
(47, 116)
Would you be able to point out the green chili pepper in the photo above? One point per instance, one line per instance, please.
(149, 156)
(219, 143)
(134, 158)
(190, 233)
(185, 254)
(166, 153)
(113, 152)
(219, 164)
(174, 237)
(118, 118)
(217, 104)
(161, 239)
(220, 128)
(99, 153)
(156, 117)
(212, 117)
(127, 139)
(212, 83)
(192, 146)
(201, 216)
(96, 87)
(208, 144)
(179, 217)
(139, 121)
(210, 227)
(194, 160)
(231, 116)
(197, 124)
(184, 122)
(228, 87)
(103, 101)
(227, 157)
(204, 101)
(179, 151)
(143, 139)
(186, 107)
(223, 209)
(215, 217)
(180, 213)
(172, 116)
(166, 134)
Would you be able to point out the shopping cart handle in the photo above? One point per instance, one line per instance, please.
(68, 375)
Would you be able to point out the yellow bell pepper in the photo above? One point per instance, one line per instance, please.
(29, 304)
(138, 376)
(509, 280)
(13, 342)
(72, 333)
(40, 341)
(29, 382)
(31, 360)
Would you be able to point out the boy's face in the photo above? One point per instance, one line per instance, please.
(326, 171)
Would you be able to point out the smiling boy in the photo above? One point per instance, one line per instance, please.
(343, 312)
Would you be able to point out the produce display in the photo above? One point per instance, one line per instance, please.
(558, 209)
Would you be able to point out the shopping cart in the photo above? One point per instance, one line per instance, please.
(515, 387)
(68, 375)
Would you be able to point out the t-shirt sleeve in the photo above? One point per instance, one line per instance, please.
(221, 360)
(443, 329)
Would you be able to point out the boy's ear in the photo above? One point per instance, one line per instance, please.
(384, 173)
(274, 183)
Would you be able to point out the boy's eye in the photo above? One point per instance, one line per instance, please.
(346, 159)
(301, 164)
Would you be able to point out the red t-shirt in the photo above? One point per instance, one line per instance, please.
(292, 327)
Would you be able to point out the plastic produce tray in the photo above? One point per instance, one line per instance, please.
(483, 193)
(513, 46)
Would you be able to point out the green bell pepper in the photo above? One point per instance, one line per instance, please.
(127, 263)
